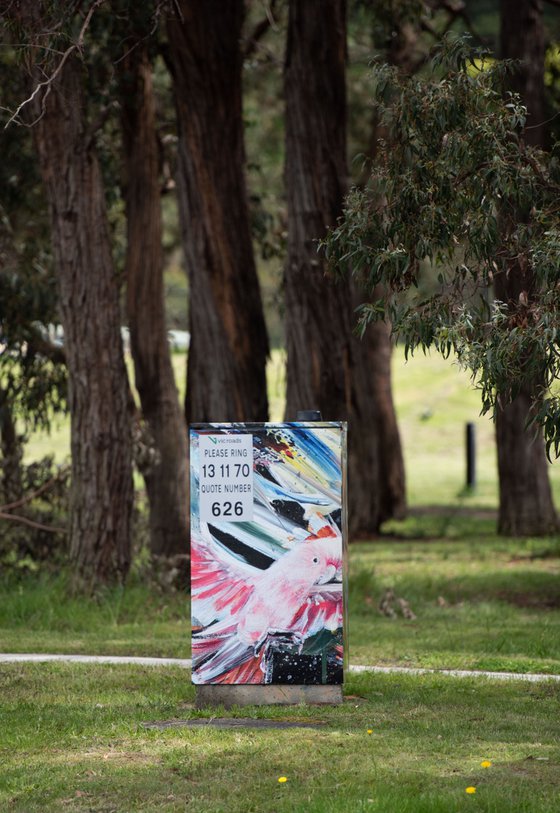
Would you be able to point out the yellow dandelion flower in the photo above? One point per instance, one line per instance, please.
(485, 764)
(370, 731)
(470, 789)
(282, 779)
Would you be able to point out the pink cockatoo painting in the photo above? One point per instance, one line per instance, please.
(267, 595)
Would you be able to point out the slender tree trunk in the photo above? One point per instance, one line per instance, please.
(101, 496)
(403, 54)
(229, 346)
(526, 505)
(392, 481)
(166, 477)
(328, 367)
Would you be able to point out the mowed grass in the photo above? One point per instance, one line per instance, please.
(72, 736)
(480, 603)
(72, 739)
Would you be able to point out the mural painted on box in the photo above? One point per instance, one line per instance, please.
(267, 594)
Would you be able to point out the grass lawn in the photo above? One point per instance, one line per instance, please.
(483, 603)
(72, 740)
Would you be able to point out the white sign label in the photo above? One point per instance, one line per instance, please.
(226, 478)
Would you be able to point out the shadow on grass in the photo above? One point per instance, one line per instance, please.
(523, 588)
(443, 522)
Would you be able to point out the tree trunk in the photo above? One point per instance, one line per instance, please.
(11, 487)
(329, 368)
(392, 480)
(522, 38)
(526, 505)
(166, 476)
(229, 347)
(101, 495)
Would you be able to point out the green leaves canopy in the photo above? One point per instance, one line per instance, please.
(456, 199)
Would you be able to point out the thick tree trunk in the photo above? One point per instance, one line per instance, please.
(101, 496)
(166, 477)
(526, 505)
(229, 347)
(328, 367)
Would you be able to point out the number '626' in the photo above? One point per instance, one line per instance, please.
(227, 509)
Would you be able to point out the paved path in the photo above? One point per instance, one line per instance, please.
(25, 658)
(186, 663)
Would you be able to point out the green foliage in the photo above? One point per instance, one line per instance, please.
(458, 190)
(33, 384)
(39, 541)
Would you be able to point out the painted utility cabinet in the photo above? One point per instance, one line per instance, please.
(268, 552)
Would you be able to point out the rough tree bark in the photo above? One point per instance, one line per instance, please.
(328, 367)
(166, 475)
(229, 346)
(526, 505)
(101, 495)
(522, 38)
(11, 487)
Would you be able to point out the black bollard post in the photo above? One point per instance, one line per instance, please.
(470, 440)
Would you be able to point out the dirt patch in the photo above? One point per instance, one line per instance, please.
(234, 722)
(455, 511)
(530, 601)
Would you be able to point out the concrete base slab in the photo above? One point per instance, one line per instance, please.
(269, 695)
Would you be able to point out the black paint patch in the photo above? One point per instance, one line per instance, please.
(249, 555)
(291, 510)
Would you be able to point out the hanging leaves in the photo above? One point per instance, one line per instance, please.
(455, 200)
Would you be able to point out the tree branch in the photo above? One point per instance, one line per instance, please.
(259, 31)
(139, 39)
(99, 123)
(47, 83)
(54, 529)
(455, 9)
(45, 347)
(41, 490)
